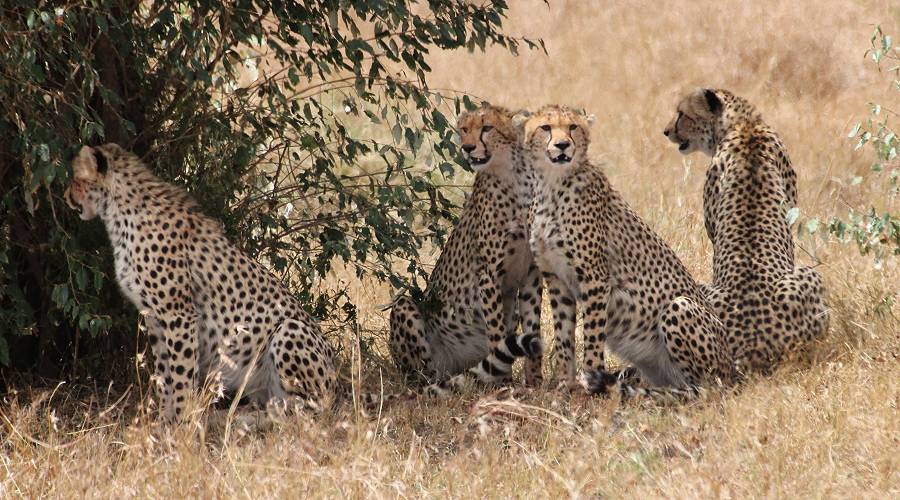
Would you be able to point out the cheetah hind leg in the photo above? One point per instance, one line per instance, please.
(409, 347)
(698, 352)
(800, 306)
(803, 290)
(305, 376)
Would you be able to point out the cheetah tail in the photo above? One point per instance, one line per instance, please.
(661, 394)
(602, 382)
(496, 366)
(627, 382)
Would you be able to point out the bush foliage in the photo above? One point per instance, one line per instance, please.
(308, 128)
(875, 229)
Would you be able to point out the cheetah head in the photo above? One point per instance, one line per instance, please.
(556, 136)
(696, 120)
(487, 136)
(87, 190)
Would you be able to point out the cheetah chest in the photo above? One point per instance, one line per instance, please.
(126, 274)
(548, 241)
(518, 258)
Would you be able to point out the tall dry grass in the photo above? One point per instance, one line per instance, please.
(825, 428)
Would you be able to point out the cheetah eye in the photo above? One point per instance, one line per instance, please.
(545, 128)
(487, 128)
(464, 129)
(572, 127)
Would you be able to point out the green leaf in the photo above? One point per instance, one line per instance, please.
(60, 295)
(100, 19)
(43, 152)
(81, 278)
(792, 215)
(812, 225)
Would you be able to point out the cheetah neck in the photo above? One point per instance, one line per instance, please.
(738, 115)
(135, 194)
(550, 176)
(501, 166)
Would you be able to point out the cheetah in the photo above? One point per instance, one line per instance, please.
(593, 249)
(485, 281)
(210, 311)
(770, 308)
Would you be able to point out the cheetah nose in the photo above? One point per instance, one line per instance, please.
(468, 148)
(666, 132)
(562, 145)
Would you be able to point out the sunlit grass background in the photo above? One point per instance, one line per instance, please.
(826, 428)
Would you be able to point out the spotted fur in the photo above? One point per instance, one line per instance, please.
(484, 283)
(211, 312)
(593, 249)
(769, 307)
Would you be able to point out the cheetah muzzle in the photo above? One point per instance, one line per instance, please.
(561, 158)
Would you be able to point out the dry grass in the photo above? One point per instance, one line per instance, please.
(828, 428)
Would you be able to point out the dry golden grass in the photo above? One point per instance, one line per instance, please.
(825, 428)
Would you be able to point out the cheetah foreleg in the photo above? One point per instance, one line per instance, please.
(530, 298)
(562, 304)
(175, 353)
(595, 299)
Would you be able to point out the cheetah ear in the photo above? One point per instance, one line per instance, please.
(86, 165)
(589, 118)
(102, 164)
(519, 119)
(712, 101)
